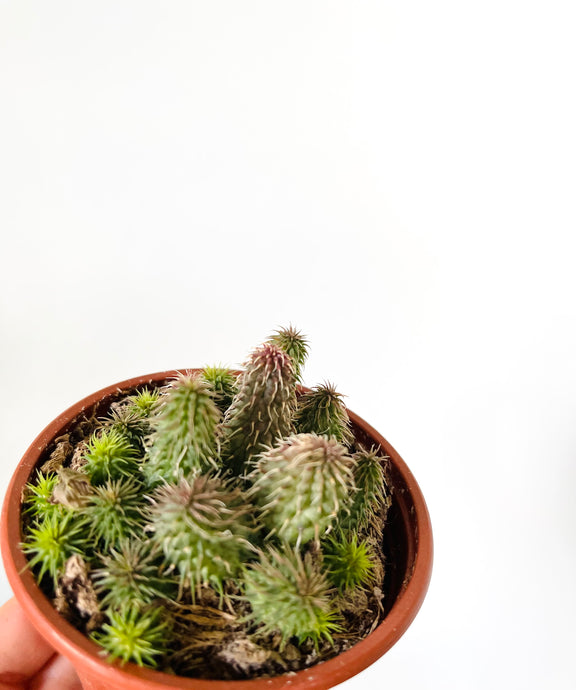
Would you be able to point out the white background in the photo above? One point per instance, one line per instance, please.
(396, 179)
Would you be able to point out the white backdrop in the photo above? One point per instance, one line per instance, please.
(394, 178)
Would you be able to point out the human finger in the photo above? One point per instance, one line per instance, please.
(23, 651)
(57, 674)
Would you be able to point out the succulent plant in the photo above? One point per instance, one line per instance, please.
(290, 595)
(134, 635)
(184, 441)
(202, 526)
(301, 484)
(172, 497)
(144, 402)
(321, 411)
(52, 540)
(131, 417)
(349, 562)
(109, 455)
(222, 383)
(263, 409)
(371, 492)
(129, 422)
(295, 345)
(38, 496)
(114, 511)
(130, 573)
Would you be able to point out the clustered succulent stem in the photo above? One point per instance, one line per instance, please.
(263, 409)
(321, 411)
(203, 528)
(301, 484)
(295, 345)
(290, 594)
(184, 442)
(109, 455)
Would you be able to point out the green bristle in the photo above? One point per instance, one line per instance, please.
(114, 511)
(321, 411)
(371, 494)
(301, 484)
(295, 345)
(134, 634)
(38, 496)
(109, 455)
(52, 541)
(289, 595)
(222, 383)
(131, 573)
(129, 423)
(203, 527)
(184, 441)
(350, 563)
(145, 402)
(262, 411)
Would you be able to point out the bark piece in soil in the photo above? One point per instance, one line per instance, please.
(72, 490)
(59, 455)
(75, 596)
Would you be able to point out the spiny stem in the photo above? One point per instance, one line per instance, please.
(262, 410)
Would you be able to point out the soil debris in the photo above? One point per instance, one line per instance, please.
(244, 658)
(59, 455)
(72, 490)
(75, 597)
(78, 459)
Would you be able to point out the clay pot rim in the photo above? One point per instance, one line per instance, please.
(82, 651)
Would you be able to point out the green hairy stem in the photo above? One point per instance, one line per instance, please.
(222, 383)
(262, 411)
(109, 455)
(203, 529)
(371, 495)
(301, 485)
(349, 562)
(290, 595)
(184, 442)
(295, 345)
(135, 635)
(321, 411)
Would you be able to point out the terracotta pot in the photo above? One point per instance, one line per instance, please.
(408, 544)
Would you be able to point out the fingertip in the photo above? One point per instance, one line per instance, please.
(58, 674)
(23, 651)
